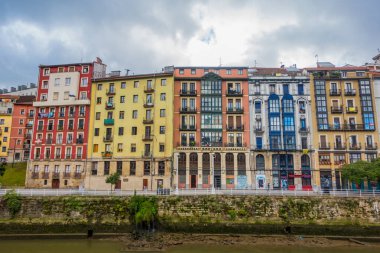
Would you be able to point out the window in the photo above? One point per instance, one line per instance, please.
(146, 168)
(83, 95)
(98, 100)
(163, 82)
(100, 86)
(136, 84)
(162, 147)
(81, 124)
(135, 98)
(121, 131)
(134, 114)
(57, 81)
(181, 71)
(121, 115)
(96, 132)
(163, 97)
(240, 71)
(272, 88)
(85, 69)
(285, 88)
(228, 71)
(97, 115)
(45, 84)
(162, 113)
(123, 85)
(122, 99)
(46, 71)
(84, 82)
(193, 71)
(19, 131)
(134, 130)
(66, 95)
(300, 89)
(133, 147)
(257, 107)
(107, 167)
(162, 129)
(132, 168)
(67, 81)
(120, 147)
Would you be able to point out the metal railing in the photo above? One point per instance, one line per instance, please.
(312, 192)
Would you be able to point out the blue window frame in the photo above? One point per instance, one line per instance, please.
(303, 123)
(368, 121)
(300, 89)
(257, 107)
(259, 142)
(285, 87)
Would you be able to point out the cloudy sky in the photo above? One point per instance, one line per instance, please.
(144, 35)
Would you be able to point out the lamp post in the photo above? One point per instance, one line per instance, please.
(212, 174)
(176, 192)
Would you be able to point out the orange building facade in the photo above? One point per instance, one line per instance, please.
(211, 128)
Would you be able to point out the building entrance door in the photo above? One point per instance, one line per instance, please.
(193, 181)
(118, 185)
(145, 184)
(217, 182)
(55, 184)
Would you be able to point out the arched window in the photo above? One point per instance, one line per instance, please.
(217, 161)
(182, 161)
(229, 164)
(260, 162)
(206, 161)
(194, 164)
(241, 164)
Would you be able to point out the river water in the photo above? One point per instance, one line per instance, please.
(104, 246)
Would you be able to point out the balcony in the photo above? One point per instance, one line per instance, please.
(350, 92)
(340, 162)
(148, 104)
(30, 115)
(234, 144)
(110, 92)
(55, 175)
(29, 125)
(147, 137)
(28, 136)
(61, 115)
(77, 175)
(355, 146)
(57, 156)
(71, 114)
(336, 109)
(324, 146)
(188, 93)
(110, 106)
(68, 156)
(107, 154)
(66, 174)
(187, 144)
(26, 146)
(324, 162)
(40, 128)
(108, 138)
(109, 122)
(235, 129)
(234, 93)
(371, 146)
(347, 127)
(260, 147)
(149, 89)
(187, 128)
(212, 144)
(304, 130)
(188, 110)
(259, 130)
(146, 154)
(35, 175)
(45, 175)
(79, 141)
(60, 128)
(235, 110)
(339, 146)
(335, 93)
(148, 121)
(49, 141)
(352, 109)
(79, 156)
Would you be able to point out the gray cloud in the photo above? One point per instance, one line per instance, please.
(146, 35)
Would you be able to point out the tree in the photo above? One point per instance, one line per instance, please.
(113, 179)
(356, 172)
(2, 169)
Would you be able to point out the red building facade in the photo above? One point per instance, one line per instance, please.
(211, 128)
(22, 129)
(61, 122)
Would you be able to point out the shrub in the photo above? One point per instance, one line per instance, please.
(13, 202)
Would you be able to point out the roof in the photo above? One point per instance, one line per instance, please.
(377, 57)
(25, 100)
(152, 75)
(9, 96)
(344, 68)
(64, 65)
(211, 67)
(274, 71)
(325, 64)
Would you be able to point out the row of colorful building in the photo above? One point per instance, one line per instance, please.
(195, 127)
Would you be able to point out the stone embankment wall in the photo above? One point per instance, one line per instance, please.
(244, 214)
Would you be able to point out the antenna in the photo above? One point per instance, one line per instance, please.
(127, 71)
(316, 57)
(255, 63)
(220, 61)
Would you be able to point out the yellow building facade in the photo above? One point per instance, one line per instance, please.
(131, 132)
(6, 112)
(344, 122)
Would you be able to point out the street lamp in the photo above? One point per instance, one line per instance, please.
(212, 174)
